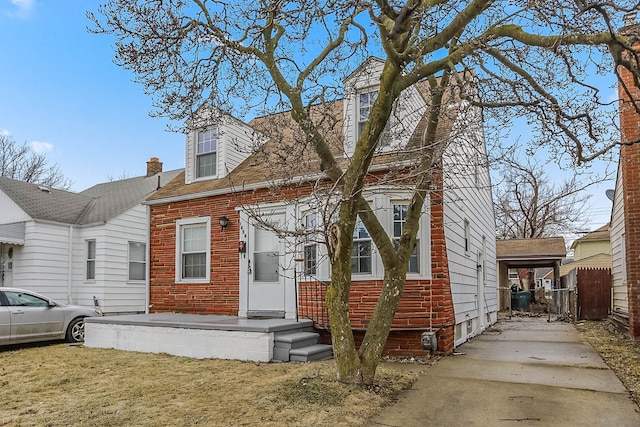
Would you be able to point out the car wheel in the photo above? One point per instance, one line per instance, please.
(75, 330)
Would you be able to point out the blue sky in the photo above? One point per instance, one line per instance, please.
(64, 95)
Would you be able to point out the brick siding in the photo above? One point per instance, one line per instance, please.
(630, 170)
(425, 304)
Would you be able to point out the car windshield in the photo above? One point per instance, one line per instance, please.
(21, 299)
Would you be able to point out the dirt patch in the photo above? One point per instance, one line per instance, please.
(621, 353)
(62, 385)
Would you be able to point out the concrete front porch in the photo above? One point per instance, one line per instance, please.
(199, 336)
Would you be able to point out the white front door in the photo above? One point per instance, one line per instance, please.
(266, 296)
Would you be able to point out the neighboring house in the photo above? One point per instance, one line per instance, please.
(593, 243)
(210, 254)
(593, 250)
(625, 215)
(83, 248)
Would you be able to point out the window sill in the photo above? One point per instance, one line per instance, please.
(193, 281)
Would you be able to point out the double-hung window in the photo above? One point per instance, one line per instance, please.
(91, 259)
(366, 101)
(193, 250)
(361, 252)
(137, 261)
(399, 220)
(206, 153)
(310, 247)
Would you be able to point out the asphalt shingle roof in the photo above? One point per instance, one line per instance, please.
(44, 203)
(96, 204)
(548, 247)
(113, 198)
(285, 155)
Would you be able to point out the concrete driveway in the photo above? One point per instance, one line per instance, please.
(523, 372)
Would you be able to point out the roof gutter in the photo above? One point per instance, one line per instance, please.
(255, 186)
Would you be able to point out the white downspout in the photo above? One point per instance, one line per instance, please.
(69, 264)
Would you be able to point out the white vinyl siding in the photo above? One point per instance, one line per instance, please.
(620, 301)
(113, 289)
(235, 140)
(405, 117)
(468, 210)
(42, 264)
(11, 212)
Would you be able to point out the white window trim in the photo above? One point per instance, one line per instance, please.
(87, 259)
(194, 148)
(382, 202)
(364, 91)
(178, 263)
(421, 262)
(129, 261)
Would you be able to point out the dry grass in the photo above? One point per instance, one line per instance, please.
(618, 351)
(63, 385)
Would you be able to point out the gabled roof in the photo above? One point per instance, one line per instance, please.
(96, 204)
(45, 203)
(273, 160)
(531, 249)
(113, 198)
(601, 234)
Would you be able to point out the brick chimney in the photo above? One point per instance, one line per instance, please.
(154, 165)
(630, 174)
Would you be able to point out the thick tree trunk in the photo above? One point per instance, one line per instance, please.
(378, 331)
(337, 297)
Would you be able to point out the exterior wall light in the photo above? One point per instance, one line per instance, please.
(224, 222)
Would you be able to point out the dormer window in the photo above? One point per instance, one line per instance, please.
(206, 154)
(364, 108)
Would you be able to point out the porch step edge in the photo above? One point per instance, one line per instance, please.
(312, 352)
(295, 337)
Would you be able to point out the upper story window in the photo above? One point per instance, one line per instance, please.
(206, 153)
(399, 219)
(366, 101)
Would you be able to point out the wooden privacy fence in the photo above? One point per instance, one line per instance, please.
(594, 293)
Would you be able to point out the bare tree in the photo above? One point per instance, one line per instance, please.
(529, 205)
(531, 59)
(19, 162)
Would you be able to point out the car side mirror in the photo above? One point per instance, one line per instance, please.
(52, 304)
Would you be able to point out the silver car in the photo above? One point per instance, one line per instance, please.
(27, 316)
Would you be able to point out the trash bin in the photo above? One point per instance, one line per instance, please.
(520, 300)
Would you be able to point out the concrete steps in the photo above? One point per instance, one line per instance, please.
(300, 346)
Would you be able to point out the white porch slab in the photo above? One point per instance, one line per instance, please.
(196, 336)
